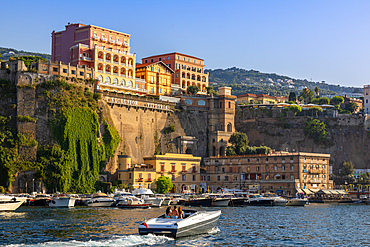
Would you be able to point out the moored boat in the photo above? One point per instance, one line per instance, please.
(194, 223)
(62, 201)
(148, 196)
(9, 203)
(100, 200)
(197, 202)
(259, 200)
(296, 202)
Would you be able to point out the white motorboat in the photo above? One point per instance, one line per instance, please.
(100, 200)
(10, 203)
(194, 223)
(218, 200)
(166, 199)
(129, 201)
(278, 201)
(148, 196)
(296, 202)
(62, 201)
(259, 200)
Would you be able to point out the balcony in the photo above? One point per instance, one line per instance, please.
(108, 72)
(116, 74)
(183, 171)
(100, 71)
(140, 180)
(125, 44)
(103, 39)
(173, 171)
(119, 43)
(115, 62)
(304, 170)
(96, 38)
(194, 171)
(315, 181)
(111, 41)
(86, 59)
(101, 59)
(149, 180)
(108, 61)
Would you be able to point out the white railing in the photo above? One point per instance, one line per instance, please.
(116, 74)
(315, 181)
(96, 38)
(101, 59)
(108, 49)
(83, 45)
(86, 58)
(107, 61)
(115, 62)
(111, 41)
(129, 65)
(104, 39)
(130, 77)
(100, 71)
(119, 43)
(107, 72)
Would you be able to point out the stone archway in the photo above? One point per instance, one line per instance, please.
(222, 151)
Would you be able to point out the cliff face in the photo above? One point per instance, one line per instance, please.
(348, 135)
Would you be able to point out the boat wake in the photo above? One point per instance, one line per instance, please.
(130, 240)
(214, 230)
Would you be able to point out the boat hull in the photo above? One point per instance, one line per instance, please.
(234, 202)
(296, 202)
(100, 204)
(10, 206)
(220, 202)
(198, 202)
(197, 226)
(62, 202)
(259, 202)
(134, 206)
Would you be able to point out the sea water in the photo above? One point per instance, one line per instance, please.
(312, 225)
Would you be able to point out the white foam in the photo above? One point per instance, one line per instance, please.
(214, 230)
(130, 240)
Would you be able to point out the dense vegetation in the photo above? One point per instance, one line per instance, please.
(316, 130)
(74, 159)
(240, 146)
(253, 81)
(6, 53)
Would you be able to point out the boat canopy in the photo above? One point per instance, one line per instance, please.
(342, 192)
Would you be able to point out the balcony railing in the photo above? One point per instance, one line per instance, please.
(111, 41)
(315, 181)
(103, 39)
(115, 62)
(149, 180)
(100, 71)
(101, 59)
(86, 58)
(116, 74)
(119, 42)
(108, 61)
(96, 38)
(183, 171)
(107, 72)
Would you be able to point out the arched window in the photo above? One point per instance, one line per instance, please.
(188, 102)
(201, 102)
(107, 79)
(129, 84)
(115, 81)
(123, 82)
(100, 78)
(229, 127)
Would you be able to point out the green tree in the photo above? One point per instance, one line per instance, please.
(351, 107)
(230, 151)
(193, 89)
(316, 130)
(163, 184)
(337, 100)
(240, 142)
(295, 109)
(316, 110)
(307, 95)
(292, 97)
(317, 91)
(210, 90)
(324, 101)
(348, 168)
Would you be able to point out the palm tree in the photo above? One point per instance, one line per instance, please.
(317, 90)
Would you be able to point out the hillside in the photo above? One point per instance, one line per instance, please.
(253, 81)
(9, 52)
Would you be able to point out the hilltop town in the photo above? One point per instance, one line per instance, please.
(95, 116)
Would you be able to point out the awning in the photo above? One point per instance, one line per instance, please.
(299, 191)
(342, 192)
(315, 190)
(334, 192)
(307, 191)
(328, 192)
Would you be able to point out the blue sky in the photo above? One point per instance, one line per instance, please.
(318, 40)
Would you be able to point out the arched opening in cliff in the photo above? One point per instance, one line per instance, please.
(188, 151)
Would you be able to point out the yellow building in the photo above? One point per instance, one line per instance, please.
(157, 76)
(183, 169)
(260, 99)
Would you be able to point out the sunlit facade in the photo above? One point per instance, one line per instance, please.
(108, 52)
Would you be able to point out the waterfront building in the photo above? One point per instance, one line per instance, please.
(278, 172)
(188, 71)
(367, 99)
(157, 76)
(106, 51)
(183, 169)
(250, 98)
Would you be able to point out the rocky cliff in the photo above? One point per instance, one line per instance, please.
(348, 136)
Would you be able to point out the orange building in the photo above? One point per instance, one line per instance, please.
(106, 51)
(157, 76)
(188, 70)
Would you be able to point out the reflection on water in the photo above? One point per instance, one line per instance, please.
(313, 225)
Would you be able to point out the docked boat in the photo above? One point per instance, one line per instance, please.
(278, 201)
(237, 201)
(218, 200)
(297, 202)
(62, 201)
(148, 196)
(259, 200)
(40, 200)
(197, 202)
(10, 203)
(194, 223)
(100, 200)
(131, 202)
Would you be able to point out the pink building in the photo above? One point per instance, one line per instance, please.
(107, 51)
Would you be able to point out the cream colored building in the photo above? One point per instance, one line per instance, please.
(183, 169)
